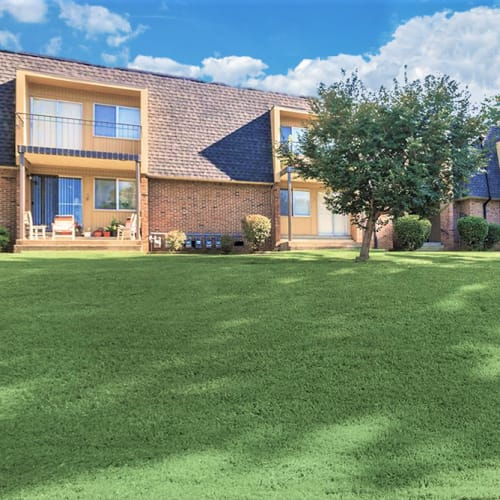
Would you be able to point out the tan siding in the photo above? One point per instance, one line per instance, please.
(87, 100)
(92, 218)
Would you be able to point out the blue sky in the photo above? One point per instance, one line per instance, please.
(287, 46)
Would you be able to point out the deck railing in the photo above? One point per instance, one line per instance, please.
(73, 136)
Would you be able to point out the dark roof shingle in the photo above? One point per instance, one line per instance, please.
(478, 185)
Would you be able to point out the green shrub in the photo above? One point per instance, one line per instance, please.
(226, 244)
(256, 229)
(426, 228)
(4, 238)
(472, 231)
(174, 240)
(493, 235)
(411, 232)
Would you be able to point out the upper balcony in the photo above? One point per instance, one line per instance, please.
(75, 137)
(287, 127)
(67, 123)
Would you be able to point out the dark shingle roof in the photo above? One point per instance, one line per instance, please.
(196, 129)
(478, 186)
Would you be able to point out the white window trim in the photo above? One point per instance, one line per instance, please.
(116, 106)
(117, 194)
(293, 204)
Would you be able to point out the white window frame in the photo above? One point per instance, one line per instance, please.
(117, 194)
(117, 107)
(59, 126)
(293, 202)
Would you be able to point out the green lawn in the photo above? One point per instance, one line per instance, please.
(291, 375)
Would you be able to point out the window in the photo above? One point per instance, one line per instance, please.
(301, 203)
(117, 121)
(115, 194)
(291, 136)
(56, 124)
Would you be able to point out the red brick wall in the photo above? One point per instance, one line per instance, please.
(8, 195)
(475, 207)
(385, 234)
(493, 211)
(276, 215)
(205, 207)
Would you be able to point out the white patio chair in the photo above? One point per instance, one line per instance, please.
(129, 230)
(34, 230)
(63, 226)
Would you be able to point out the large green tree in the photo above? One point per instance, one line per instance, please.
(406, 149)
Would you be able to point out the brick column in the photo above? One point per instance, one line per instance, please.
(276, 215)
(448, 217)
(9, 198)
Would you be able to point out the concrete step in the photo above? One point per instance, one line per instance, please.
(431, 246)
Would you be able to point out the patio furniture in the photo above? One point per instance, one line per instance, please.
(34, 230)
(129, 230)
(63, 226)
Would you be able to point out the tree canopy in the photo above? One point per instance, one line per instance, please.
(402, 150)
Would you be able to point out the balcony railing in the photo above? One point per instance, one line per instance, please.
(57, 135)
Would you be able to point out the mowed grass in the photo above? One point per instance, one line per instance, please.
(292, 375)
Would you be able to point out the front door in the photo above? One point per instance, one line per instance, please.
(52, 196)
(330, 224)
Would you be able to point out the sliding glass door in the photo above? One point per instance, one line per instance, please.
(52, 196)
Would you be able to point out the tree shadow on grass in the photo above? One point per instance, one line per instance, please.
(134, 360)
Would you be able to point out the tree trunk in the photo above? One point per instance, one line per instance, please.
(364, 253)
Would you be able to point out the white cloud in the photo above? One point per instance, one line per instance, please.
(165, 65)
(95, 21)
(118, 39)
(53, 46)
(25, 11)
(119, 58)
(463, 45)
(233, 70)
(9, 41)
(109, 58)
(305, 77)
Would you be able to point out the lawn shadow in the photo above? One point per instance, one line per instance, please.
(132, 360)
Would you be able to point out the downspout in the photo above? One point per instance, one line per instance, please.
(485, 204)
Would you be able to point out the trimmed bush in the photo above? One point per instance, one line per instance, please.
(256, 229)
(4, 238)
(426, 226)
(174, 240)
(493, 235)
(472, 231)
(226, 244)
(411, 232)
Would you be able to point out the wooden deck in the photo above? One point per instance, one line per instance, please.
(78, 244)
